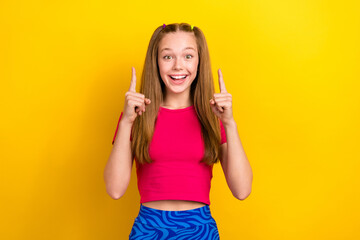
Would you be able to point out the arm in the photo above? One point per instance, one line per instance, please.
(233, 159)
(117, 171)
(236, 167)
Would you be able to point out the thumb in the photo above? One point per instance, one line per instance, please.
(212, 104)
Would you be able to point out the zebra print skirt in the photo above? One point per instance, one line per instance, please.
(193, 224)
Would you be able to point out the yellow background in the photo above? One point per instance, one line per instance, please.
(292, 68)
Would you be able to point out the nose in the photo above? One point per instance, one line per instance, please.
(177, 63)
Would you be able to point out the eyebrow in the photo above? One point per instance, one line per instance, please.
(183, 49)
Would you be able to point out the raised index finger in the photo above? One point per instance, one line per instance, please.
(133, 81)
(221, 82)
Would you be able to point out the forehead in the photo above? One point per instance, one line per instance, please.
(177, 41)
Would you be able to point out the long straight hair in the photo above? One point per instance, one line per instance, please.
(201, 91)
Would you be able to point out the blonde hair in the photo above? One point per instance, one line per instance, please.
(202, 90)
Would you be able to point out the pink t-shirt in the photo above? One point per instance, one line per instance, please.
(176, 150)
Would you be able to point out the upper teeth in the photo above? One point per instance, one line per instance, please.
(178, 77)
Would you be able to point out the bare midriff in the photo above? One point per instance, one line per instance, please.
(173, 205)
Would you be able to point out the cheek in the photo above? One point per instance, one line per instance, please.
(163, 67)
(194, 65)
(194, 68)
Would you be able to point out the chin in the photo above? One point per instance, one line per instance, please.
(177, 90)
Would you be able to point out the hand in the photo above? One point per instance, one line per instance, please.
(134, 102)
(221, 104)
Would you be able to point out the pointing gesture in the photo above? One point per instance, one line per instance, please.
(134, 102)
(221, 104)
(221, 82)
(133, 81)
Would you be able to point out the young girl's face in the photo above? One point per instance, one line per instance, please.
(178, 61)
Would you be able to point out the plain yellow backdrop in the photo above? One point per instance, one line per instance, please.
(292, 68)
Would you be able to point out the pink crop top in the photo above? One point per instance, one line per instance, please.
(176, 150)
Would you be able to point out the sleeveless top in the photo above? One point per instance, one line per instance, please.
(176, 149)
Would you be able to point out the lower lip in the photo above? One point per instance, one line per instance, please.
(178, 82)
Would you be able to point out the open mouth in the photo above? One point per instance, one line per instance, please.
(179, 77)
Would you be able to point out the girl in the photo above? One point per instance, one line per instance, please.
(177, 132)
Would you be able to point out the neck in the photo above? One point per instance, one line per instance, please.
(177, 100)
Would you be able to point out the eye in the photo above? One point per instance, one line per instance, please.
(191, 56)
(165, 57)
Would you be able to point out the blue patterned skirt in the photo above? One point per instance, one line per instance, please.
(193, 224)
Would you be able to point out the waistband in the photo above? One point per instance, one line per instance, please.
(175, 219)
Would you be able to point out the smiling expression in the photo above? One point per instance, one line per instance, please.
(178, 61)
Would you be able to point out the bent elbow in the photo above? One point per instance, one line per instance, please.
(242, 197)
(115, 196)
(116, 190)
